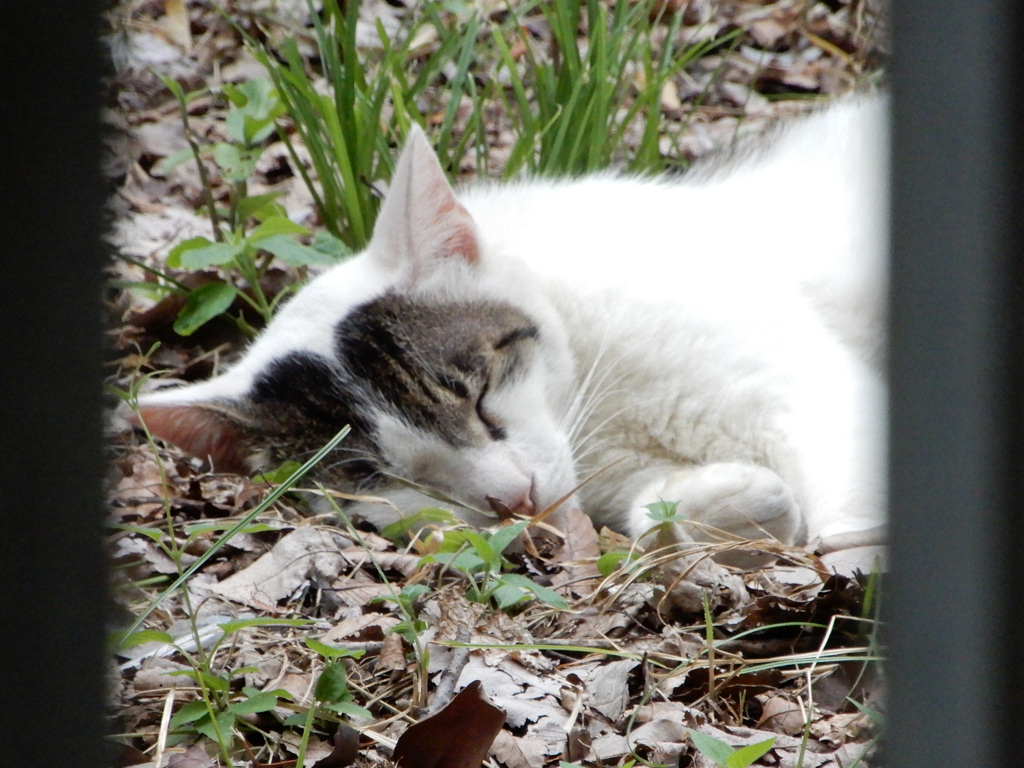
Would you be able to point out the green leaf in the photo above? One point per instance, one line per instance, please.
(425, 516)
(466, 562)
(173, 86)
(744, 756)
(413, 592)
(276, 225)
(204, 678)
(260, 702)
(609, 561)
(331, 651)
(230, 627)
(505, 594)
(279, 475)
(543, 594)
(332, 686)
(189, 713)
(214, 254)
(144, 636)
(225, 725)
(664, 512)
(167, 164)
(236, 163)
(292, 252)
(502, 537)
(331, 246)
(716, 749)
(152, 291)
(260, 207)
(202, 305)
(483, 548)
(255, 106)
(193, 243)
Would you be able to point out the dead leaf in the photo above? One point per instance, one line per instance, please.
(177, 23)
(516, 752)
(459, 736)
(193, 757)
(346, 749)
(608, 689)
(392, 655)
(578, 551)
(305, 554)
(779, 712)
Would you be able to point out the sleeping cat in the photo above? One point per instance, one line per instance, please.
(713, 340)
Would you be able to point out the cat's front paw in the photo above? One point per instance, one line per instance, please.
(733, 500)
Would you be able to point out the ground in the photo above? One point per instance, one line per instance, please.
(295, 623)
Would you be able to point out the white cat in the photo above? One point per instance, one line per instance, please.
(713, 340)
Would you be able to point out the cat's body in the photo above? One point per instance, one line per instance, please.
(713, 340)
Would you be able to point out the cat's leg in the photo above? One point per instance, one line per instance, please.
(723, 503)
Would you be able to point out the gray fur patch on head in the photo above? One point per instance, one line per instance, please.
(427, 364)
(431, 363)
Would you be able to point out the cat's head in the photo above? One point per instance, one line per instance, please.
(438, 350)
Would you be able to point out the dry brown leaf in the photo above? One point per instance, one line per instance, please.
(607, 687)
(376, 625)
(526, 697)
(193, 757)
(392, 655)
(305, 554)
(781, 712)
(516, 752)
(345, 749)
(459, 736)
(578, 551)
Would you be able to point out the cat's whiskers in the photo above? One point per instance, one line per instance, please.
(591, 392)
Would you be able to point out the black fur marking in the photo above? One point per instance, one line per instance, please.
(299, 402)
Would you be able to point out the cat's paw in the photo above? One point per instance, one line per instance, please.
(739, 500)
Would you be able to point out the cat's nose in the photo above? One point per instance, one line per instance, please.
(522, 506)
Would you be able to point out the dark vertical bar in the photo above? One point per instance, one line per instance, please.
(956, 370)
(52, 587)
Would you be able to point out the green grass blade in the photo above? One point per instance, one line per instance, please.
(271, 498)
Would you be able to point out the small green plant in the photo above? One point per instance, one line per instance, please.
(332, 692)
(344, 131)
(220, 710)
(576, 106)
(427, 516)
(664, 512)
(331, 696)
(480, 558)
(411, 627)
(726, 756)
(252, 229)
(610, 561)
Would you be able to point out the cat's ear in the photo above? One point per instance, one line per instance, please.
(421, 222)
(202, 430)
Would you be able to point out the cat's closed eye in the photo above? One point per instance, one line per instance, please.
(493, 428)
(519, 334)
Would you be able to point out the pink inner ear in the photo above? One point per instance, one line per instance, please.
(462, 237)
(201, 431)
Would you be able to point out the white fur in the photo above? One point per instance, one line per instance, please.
(714, 342)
